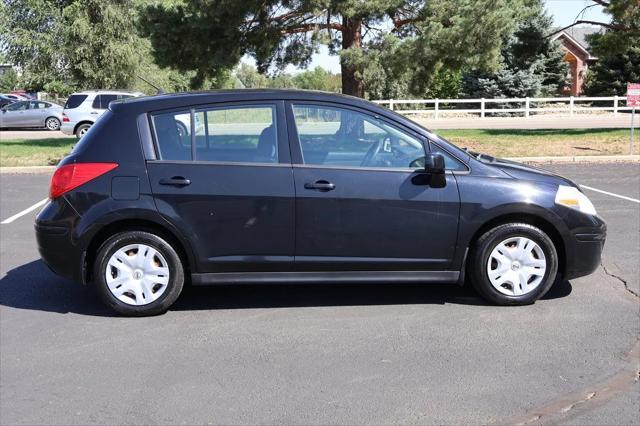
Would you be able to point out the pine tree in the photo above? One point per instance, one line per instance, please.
(532, 64)
(210, 36)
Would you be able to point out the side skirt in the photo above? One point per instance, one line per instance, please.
(326, 277)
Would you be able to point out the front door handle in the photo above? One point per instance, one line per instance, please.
(320, 185)
(175, 181)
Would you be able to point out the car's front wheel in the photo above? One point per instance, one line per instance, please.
(138, 273)
(513, 264)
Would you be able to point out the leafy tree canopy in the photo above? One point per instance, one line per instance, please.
(418, 36)
(617, 49)
(622, 30)
(65, 45)
(315, 79)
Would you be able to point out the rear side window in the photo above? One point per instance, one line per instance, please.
(102, 101)
(173, 135)
(39, 105)
(240, 134)
(74, 101)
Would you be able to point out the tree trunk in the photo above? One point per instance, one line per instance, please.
(351, 37)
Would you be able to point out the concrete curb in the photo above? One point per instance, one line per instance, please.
(547, 160)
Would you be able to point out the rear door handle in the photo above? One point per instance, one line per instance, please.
(320, 185)
(175, 181)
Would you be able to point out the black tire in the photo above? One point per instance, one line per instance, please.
(479, 257)
(176, 273)
(182, 129)
(82, 129)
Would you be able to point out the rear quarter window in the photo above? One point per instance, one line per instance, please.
(102, 101)
(99, 127)
(74, 101)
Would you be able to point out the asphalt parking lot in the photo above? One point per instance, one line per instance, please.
(353, 354)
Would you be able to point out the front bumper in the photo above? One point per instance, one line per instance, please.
(584, 251)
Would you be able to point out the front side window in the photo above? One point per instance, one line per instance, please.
(332, 136)
(450, 162)
(240, 134)
(18, 106)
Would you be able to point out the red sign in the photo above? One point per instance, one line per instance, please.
(633, 95)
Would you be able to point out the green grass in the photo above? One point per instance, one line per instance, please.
(542, 142)
(34, 152)
(498, 142)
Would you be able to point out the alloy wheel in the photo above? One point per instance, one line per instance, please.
(52, 124)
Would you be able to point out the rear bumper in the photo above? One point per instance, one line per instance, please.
(585, 251)
(55, 241)
(67, 128)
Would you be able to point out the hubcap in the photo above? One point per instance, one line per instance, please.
(137, 274)
(83, 131)
(516, 266)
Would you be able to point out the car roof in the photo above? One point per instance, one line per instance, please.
(107, 92)
(187, 99)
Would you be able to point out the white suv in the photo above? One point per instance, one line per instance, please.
(82, 109)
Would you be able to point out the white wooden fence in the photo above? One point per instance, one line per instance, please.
(528, 106)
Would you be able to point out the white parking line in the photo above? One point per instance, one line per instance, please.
(611, 193)
(25, 211)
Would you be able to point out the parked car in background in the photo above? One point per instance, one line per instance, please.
(5, 100)
(82, 109)
(294, 186)
(31, 114)
(16, 96)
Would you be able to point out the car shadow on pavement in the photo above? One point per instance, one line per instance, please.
(32, 286)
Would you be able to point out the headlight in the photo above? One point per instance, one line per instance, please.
(571, 197)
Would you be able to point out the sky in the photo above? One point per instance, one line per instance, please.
(564, 13)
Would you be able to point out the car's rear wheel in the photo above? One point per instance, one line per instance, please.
(513, 264)
(52, 123)
(138, 273)
(82, 130)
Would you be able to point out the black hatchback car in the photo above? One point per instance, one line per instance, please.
(294, 186)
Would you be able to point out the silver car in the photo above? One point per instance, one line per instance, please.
(84, 108)
(31, 114)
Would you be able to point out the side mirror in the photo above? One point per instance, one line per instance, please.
(434, 164)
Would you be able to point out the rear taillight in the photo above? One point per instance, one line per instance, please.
(71, 176)
(65, 118)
